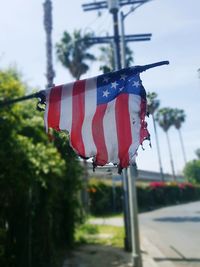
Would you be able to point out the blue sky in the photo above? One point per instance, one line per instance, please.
(175, 28)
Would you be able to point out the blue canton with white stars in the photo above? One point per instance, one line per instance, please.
(110, 85)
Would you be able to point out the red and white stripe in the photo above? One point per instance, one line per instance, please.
(109, 132)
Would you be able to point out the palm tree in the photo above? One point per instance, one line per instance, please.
(152, 105)
(197, 152)
(178, 119)
(107, 57)
(72, 51)
(164, 118)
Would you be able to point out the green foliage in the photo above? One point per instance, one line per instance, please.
(101, 198)
(167, 117)
(164, 117)
(85, 233)
(108, 59)
(39, 184)
(72, 51)
(192, 171)
(197, 152)
(106, 235)
(152, 102)
(178, 117)
(165, 194)
(149, 196)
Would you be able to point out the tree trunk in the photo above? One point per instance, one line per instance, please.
(171, 158)
(182, 146)
(158, 149)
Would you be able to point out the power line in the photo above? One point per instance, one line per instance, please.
(104, 4)
(128, 38)
(113, 6)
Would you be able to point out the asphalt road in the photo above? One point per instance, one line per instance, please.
(171, 235)
(175, 232)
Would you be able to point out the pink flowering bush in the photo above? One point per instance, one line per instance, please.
(150, 196)
(157, 184)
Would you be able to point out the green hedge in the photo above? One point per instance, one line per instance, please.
(101, 198)
(150, 196)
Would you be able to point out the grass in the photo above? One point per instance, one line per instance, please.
(100, 234)
(108, 215)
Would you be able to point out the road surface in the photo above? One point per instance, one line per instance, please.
(175, 231)
(171, 235)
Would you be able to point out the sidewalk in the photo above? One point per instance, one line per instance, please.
(168, 238)
(102, 256)
(150, 252)
(108, 256)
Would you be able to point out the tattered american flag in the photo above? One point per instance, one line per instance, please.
(104, 115)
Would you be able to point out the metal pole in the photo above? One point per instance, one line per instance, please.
(171, 159)
(113, 194)
(123, 46)
(158, 148)
(132, 229)
(48, 29)
(114, 50)
(116, 38)
(113, 6)
(85, 196)
(126, 206)
(136, 253)
(127, 219)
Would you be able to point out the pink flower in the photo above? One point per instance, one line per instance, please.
(157, 184)
(181, 186)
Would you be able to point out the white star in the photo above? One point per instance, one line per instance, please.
(136, 83)
(121, 88)
(114, 85)
(106, 79)
(106, 93)
(123, 77)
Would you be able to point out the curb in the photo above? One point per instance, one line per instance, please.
(151, 252)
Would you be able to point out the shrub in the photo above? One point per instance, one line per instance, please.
(151, 196)
(103, 200)
(192, 171)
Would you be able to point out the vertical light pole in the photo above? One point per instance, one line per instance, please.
(130, 174)
(136, 253)
(126, 207)
(50, 74)
(123, 45)
(113, 7)
(122, 18)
